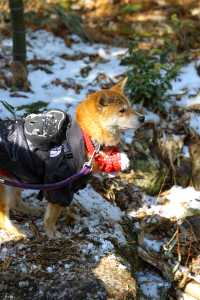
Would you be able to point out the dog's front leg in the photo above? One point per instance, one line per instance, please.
(6, 198)
(52, 214)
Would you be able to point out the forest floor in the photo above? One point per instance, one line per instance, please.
(111, 246)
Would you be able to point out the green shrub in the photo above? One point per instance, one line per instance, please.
(150, 74)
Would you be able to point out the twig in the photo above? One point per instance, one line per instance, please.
(162, 184)
(178, 243)
(167, 246)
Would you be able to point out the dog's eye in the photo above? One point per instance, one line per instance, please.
(122, 110)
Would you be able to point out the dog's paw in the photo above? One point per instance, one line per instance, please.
(53, 234)
(125, 162)
(13, 232)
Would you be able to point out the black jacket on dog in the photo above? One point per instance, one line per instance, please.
(44, 148)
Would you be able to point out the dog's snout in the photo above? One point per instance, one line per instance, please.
(141, 119)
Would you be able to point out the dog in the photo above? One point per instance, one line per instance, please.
(102, 117)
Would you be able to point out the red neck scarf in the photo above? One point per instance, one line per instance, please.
(108, 160)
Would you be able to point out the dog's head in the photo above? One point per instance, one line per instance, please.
(116, 113)
(104, 114)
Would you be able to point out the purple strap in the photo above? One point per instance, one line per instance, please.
(48, 186)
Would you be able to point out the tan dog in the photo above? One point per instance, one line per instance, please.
(102, 115)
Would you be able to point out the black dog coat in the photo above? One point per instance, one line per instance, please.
(58, 153)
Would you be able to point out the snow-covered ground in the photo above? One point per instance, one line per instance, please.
(177, 203)
(67, 65)
(188, 84)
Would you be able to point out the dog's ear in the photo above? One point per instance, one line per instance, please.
(119, 87)
(103, 101)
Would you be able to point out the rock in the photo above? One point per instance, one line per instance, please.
(149, 170)
(149, 173)
(158, 160)
(116, 277)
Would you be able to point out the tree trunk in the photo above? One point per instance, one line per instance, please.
(18, 66)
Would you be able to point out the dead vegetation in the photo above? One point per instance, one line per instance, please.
(150, 22)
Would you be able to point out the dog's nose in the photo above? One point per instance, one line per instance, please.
(141, 119)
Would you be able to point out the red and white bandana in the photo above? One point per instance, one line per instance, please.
(110, 159)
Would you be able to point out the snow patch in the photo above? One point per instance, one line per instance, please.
(92, 201)
(185, 151)
(188, 80)
(152, 285)
(53, 50)
(194, 122)
(153, 245)
(178, 203)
